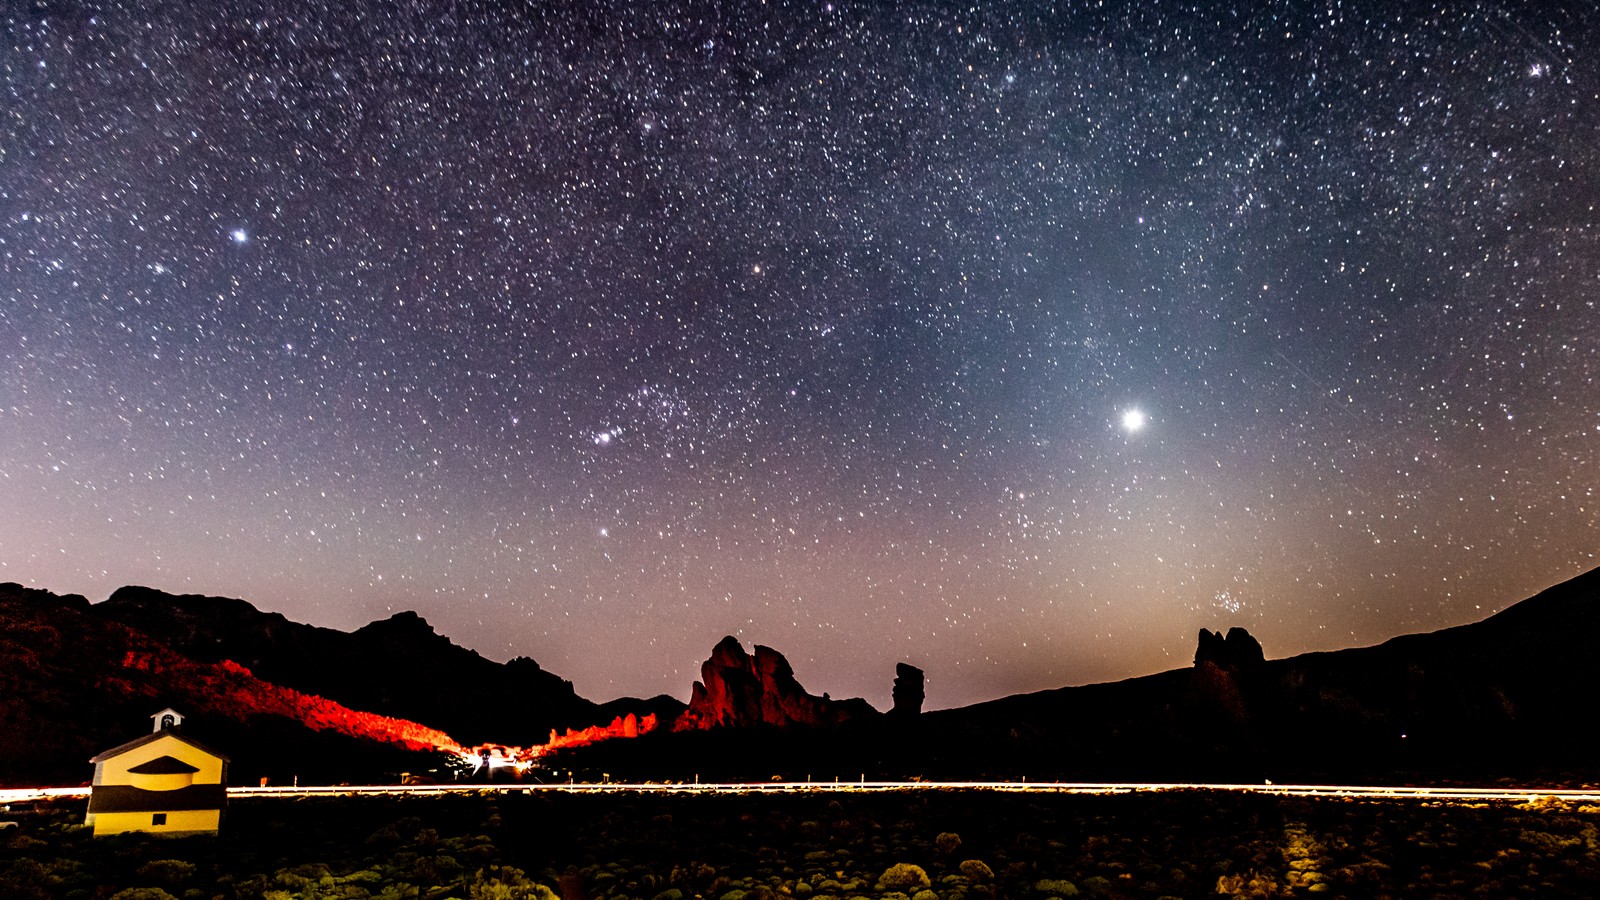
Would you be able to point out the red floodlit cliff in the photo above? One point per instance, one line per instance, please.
(229, 689)
(629, 726)
(514, 702)
(74, 684)
(737, 690)
(235, 689)
(76, 680)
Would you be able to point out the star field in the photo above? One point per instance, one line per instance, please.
(1018, 341)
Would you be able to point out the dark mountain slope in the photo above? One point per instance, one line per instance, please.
(397, 666)
(73, 684)
(1505, 694)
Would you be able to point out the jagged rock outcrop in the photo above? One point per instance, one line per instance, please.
(1223, 677)
(908, 690)
(738, 690)
(1238, 651)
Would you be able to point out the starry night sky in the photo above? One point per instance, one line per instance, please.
(1017, 341)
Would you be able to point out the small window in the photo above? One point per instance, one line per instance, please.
(158, 819)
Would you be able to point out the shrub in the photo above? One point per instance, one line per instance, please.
(506, 883)
(904, 877)
(302, 876)
(387, 837)
(1252, 884)
(23, 843)
(947, 842)
(167, 871)
(28, 879)
(976, 869)
(142, 893)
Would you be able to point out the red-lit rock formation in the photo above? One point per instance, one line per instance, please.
(737, 690)
(628, 726)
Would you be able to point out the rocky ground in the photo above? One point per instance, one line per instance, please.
(905, 846)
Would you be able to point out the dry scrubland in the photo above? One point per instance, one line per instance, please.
(906, 846)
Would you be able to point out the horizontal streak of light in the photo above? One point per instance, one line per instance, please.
(21, 795)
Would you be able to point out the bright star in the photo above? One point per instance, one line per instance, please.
(1133, 420)
(239, 235)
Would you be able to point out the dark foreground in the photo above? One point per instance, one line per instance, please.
(946, 845)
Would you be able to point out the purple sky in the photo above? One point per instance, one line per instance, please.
(1018, 343)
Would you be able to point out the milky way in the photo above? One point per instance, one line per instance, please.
(1017, 341)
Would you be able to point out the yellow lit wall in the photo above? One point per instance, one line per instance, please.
(187, 821)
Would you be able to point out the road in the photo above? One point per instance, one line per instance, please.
(1340, 791)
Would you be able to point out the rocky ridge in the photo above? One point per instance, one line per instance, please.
(740, 690)
(399, 666)
(74, 683)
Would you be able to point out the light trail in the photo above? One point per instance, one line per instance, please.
(1343, 792)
